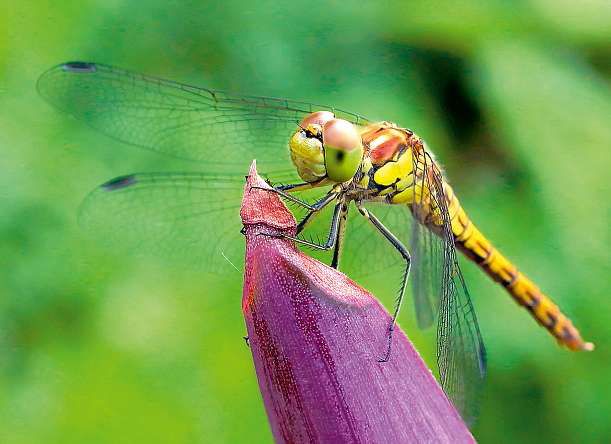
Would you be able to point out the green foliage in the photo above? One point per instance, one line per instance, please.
(514, 98)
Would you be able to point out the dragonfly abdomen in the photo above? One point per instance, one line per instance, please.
(473, 244)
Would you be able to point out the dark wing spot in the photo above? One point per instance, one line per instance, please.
(79, 67)
(119, 182)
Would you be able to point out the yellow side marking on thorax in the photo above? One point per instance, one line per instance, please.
(365, 168)
(394, 171)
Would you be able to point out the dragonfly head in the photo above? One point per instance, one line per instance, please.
(326, 147)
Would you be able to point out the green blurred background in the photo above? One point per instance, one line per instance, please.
(513, 97)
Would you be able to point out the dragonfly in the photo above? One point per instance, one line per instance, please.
(375, 171)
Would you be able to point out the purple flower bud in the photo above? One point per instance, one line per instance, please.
(316, 338)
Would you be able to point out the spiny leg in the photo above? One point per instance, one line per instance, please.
(331, 238)
(401, 248)
(340, 236)
(340, 232)
(284, 191)
(301, 186)
(315, 209)
(306, 220)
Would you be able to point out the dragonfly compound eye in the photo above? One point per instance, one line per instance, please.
(343, 149)
(317, 118)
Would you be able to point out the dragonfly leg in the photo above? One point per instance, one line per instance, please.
(315, 208)
(405, 253)
(291, 187)
(340, 237)
(331, 238)
(284, 191)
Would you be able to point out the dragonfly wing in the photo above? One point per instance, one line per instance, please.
(461, 356)
(427, 264)
(367, 252)
(177, 119)
(188, 216)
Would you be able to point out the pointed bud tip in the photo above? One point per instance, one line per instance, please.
(260, 205)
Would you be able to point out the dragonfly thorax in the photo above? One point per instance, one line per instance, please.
(324, 146)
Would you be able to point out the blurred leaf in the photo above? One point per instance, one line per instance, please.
(554, 112)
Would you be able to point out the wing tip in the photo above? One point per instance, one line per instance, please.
(44, 82)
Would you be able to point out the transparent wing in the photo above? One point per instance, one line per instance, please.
(366, 251)
(460, 350)
(193, 218)
(427, 251)
(461, 356)
(367, 256)
(177, 119)
(186, 216)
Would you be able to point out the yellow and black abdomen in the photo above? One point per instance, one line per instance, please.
(397, 168)
(470, 241)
